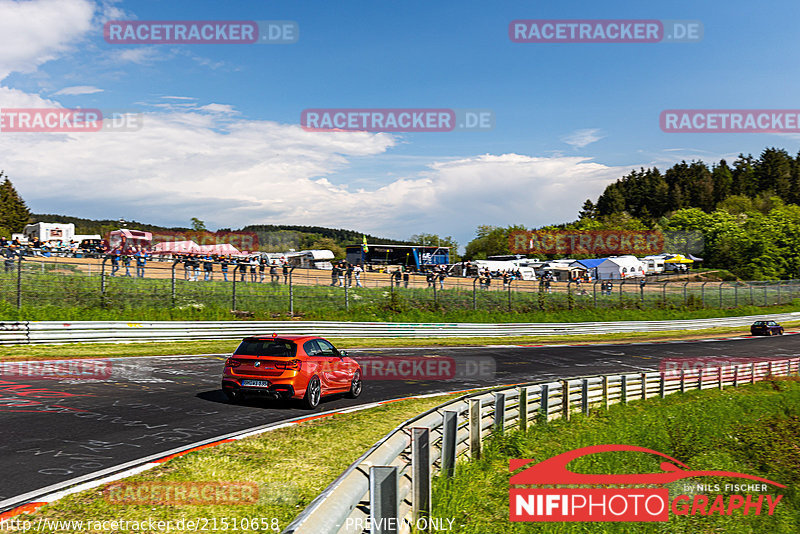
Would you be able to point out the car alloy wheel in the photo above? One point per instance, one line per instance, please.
(313, 393)
(355, 386)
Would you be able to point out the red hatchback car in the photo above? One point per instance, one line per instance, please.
(290, 367)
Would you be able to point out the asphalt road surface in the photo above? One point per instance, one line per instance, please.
(59, 429)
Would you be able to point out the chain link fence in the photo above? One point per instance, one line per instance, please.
(244, 290)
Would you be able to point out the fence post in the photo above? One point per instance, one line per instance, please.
(752, 372)
(720, 294)
(474, 294)
(523, 408)
(509, 295)
(383, 505)
(346, 296)
(769, 368)
(719, 375)
(700, 379)
(291, 293)
(605, 392)
(585, 396)
(765, 294)
(594, 293)
(703, 294)
(565, 399)
(621, 283)
(233, 286)
(103, 282)
(449, 433)
(644, 386)
(623, 389)
(19, 281)
(662, 387)
(736, 376)
(420, 473)
(172, 281)
(475, 428)
(499, 411)
(684, 292)
(544, 401)
(752, 298)
(736, 294)
(683, 380)
(779, 292)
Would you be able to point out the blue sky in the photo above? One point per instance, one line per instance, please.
(221, 138)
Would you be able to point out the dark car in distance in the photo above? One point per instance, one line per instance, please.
(766, 328)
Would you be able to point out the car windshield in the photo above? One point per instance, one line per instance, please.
(772, 323)
(267, 347)
(758, 323)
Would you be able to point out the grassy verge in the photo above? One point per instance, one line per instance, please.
(752, 429)
(121, 350)
(291, 466)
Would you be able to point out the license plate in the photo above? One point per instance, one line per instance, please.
(256, 383)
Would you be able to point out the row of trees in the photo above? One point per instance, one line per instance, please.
(648, 194)
(14, 213)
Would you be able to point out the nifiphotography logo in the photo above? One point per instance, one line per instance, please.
(594, 500)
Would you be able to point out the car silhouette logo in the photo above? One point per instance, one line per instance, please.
(554, 470)
(257, 364)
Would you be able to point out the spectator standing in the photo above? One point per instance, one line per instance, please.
(342, 268)
(208, 268)
(441, 277)
(126, 261)
(406, 277)
(242, 263)
(141, 261)
(253, 266)
(430, 278)
(262, 267)
(357, 270)
(114, 263)
(349, 275)
(223, 266)
(274, 278)
(334, 274)
(285, 272)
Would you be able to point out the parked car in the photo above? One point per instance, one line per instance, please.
(766, 328)
(305, 368)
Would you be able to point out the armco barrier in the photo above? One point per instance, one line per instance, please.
(36, 332)
(430, 442)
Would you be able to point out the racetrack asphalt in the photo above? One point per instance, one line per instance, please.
(57, 429)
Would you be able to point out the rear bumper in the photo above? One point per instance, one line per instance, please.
(274, 391)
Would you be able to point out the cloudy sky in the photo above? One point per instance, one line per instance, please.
(220, 136)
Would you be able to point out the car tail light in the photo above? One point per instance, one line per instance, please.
(291, 365)
(230, 362)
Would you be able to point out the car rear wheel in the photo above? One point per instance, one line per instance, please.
(355, 386)
(313, 393)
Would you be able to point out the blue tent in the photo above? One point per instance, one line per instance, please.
(591, 265)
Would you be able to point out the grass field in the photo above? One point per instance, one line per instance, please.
(63, 292)
(751, 429)
(291, 466)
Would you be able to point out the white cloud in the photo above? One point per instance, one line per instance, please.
(236, 172)
(79, 90)
(582, 138)
(145, 55)
(34, 32)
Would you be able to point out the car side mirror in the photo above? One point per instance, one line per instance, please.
(342, 353)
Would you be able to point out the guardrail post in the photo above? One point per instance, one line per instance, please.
(19, 281)
(623, 389)
(499, 411)
(736, 376)
(683, 380)
(662, 386)
(585, 396)
(769, 368)
(700, 379)
(346, 296)
(544, 401)
(475, 428)
(565, 400)
(383, 505)
(752, 372)
(605, 391)
(420, 473)
(449, 438)
(644, 386)
(523, 408)
(719, 375)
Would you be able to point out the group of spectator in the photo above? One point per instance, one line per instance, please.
(124, 256)
(257, 266)
(343, 273)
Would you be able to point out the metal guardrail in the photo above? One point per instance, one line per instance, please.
(393, 478)
(38, 332)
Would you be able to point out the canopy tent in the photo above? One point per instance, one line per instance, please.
(125, 238)
(176, 247)
(678, 258)
(220, 249)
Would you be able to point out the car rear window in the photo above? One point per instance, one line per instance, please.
(267, 347)
(758, 323)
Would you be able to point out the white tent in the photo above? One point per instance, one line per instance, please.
(620, 268)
